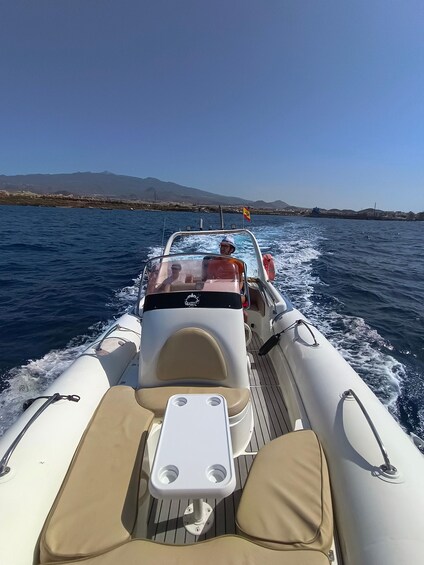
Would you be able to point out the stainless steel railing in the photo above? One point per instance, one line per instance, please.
(4, 469)
(386, 467)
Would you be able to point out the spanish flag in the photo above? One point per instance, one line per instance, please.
(246, 214)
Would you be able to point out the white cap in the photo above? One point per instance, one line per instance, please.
(230, 240)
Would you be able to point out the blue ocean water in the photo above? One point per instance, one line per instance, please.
(66, 274)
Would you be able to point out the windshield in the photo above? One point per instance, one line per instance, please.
(206, 273)
(210, 244)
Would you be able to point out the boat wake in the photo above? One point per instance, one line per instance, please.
(296, 253)
(296, 248)
(31, 379)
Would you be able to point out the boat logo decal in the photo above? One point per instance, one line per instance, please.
(192, 300)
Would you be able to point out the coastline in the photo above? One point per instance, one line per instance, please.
(110, 203)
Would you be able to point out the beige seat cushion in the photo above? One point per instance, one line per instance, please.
(225, 550)
(96, 507)
(191, 353)
(155, 399)
(286, 502)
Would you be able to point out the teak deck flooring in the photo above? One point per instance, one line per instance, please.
(165, 522)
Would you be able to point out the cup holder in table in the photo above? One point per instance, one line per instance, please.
(213, 401)
(168, 474)
(179, 401)
(216, 473)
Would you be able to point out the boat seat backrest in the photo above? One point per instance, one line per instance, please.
(286, 501)
(191, 354)
(193, 346)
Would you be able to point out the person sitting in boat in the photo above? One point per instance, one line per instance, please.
(226, 269)
(166, 285)
(227, 245)
(217, 269)
(152, 279)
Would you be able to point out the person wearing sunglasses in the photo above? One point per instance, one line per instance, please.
(167, 283)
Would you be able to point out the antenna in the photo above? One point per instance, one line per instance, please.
(222, 216)
(163, 231)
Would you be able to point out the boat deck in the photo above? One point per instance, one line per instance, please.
(271, 420)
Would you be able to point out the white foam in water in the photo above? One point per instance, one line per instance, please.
(126, 298)
(359, 344)
(33, 378)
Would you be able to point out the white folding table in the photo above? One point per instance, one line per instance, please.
(194, 457)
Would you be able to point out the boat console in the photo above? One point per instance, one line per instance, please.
(193, 322)
(193, 332)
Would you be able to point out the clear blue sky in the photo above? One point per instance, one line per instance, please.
(317, 103)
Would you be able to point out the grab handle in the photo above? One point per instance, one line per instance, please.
(111, 330)
(4, 469)
(387, 467)
(275, 338)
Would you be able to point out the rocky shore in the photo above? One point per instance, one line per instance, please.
(66, 201)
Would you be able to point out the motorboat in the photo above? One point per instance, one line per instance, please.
(212, 423)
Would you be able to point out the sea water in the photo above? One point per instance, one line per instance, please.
(66, 274)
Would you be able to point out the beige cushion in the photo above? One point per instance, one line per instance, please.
(191, 353)
(286, 502)
(155, 399)
(225, 550)
(96, 507)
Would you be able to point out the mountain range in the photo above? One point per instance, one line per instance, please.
(124, 187)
